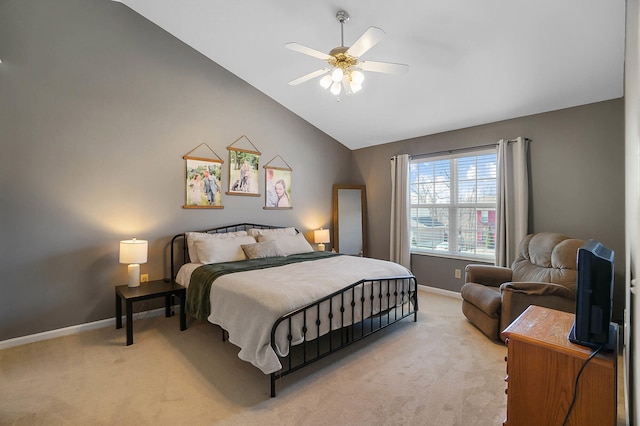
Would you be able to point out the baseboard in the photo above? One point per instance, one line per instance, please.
(111, 322)
(440, 291)
(66, 331)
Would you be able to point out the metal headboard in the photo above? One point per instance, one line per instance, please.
(178, 242)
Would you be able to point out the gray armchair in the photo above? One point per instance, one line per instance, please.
(543, 274)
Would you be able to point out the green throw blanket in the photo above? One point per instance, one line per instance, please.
(198, 301)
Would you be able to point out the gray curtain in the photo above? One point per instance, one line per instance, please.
(400, 233)
(513, 198)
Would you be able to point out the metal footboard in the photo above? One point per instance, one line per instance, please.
(341, 319)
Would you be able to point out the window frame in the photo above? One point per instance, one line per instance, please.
(454, 206)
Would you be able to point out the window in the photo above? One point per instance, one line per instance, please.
(453, 205)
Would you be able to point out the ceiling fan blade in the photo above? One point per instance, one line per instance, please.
(383, 67)
(307, 51)
(309, 76)
(370, 38)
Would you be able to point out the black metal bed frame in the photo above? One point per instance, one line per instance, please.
(403, 289)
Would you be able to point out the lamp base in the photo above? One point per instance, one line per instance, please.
(321, 247)
(134, 275)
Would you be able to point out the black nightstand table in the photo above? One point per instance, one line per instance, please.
(149, 290)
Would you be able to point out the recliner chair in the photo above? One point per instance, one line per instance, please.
(543, 274)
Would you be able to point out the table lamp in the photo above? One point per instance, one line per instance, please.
(133, 252)
(321, 236)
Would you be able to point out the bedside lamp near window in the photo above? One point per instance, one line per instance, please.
(321, 236)
(133, 252)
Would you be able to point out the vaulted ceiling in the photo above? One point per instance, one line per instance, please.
(470, 62)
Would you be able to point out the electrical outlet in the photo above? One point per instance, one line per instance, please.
(144, 278)
(458, 273)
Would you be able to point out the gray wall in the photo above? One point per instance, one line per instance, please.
(577, 182)
(97, 108)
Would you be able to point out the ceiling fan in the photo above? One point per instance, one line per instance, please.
(344, 64)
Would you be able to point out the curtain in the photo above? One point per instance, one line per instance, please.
(513, 199)
(400, 234)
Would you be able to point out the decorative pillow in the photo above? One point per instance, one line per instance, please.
(192, 237)
(275, 231)
(214, 250)
(288, 244)
(264, 249)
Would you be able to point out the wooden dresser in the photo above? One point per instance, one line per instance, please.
(542, 365)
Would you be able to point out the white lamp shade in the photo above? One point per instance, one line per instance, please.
(321, 236)
(133, 251)
(336, 88)
(357, 77)
(326, 81)
(336, 75)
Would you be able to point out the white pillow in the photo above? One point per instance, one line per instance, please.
(288, 244)
(275, 231)
(216, 250)
(192, 237)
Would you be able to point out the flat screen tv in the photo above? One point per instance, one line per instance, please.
(594, 296)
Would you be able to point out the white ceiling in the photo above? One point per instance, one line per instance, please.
(470, 61)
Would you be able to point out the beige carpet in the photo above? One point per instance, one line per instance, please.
(438, 371)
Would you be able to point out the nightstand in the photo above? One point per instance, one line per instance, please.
(145, 291)
(542, 367)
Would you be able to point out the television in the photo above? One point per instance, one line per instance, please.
(594, 297)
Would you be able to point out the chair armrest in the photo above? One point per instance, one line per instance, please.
(488, 275)
(518, 296)
(538, 289)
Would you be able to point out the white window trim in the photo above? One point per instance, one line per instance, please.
(453, 206)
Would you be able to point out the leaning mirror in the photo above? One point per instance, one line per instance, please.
(349, 219)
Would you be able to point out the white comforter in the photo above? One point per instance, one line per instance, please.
(247, 304)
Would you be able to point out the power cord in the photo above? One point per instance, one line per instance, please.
(141, 314)
(575, 387)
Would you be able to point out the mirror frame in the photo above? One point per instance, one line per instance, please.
(336, 210)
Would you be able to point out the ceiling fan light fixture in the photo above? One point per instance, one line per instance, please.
(336, 75)
(357, 77)
(336, 87)
(344, 64)
(326, 81)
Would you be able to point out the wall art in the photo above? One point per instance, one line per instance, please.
(277, 186)
(203, 181)
(243, 169)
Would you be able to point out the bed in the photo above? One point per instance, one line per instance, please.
(284, 305)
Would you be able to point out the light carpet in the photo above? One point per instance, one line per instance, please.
(437, 371)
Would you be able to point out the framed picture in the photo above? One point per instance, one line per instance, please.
(243, 173)
(203, 188)
(277, 188)
(243, 169)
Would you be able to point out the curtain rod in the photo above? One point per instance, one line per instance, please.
(452, 151)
